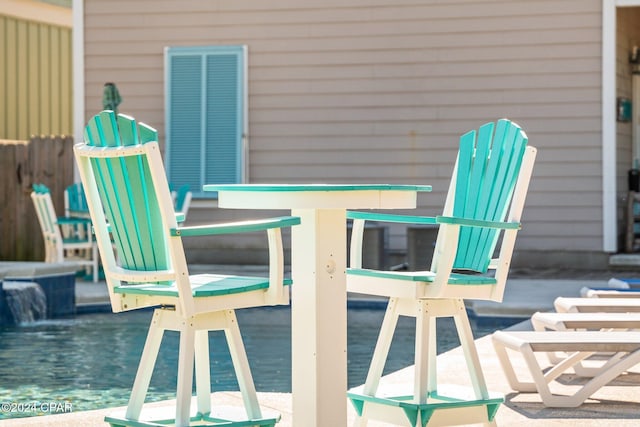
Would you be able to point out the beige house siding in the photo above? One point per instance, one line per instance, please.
(372, 90)
(35, 65)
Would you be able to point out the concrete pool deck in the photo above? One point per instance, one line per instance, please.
(617, 404)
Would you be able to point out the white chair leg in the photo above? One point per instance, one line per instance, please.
(502, 351)
(361, 421)
(145, 367)
(241, 365)
(591, 371)
(425, 377)
(203, 372)
(379, 358)
(612, 371)
(381, 350)
(185, 374)
(470, 352)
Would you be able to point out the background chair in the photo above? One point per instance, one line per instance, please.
(75, 207)
(550, 321)
(596, 305)
(182, 199)
(66, 239)
(124, 179)
(482, 211)
(75, 202)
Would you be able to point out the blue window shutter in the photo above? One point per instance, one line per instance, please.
(184, 140)
(223, 131)
(205, 88)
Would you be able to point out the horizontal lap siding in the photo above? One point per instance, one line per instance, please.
(35, 78)
(372, 90)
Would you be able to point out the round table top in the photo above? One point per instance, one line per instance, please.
(315, 187)
(317, 196)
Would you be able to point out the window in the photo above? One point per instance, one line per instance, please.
(205, 116)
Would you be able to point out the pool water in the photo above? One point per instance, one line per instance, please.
(89, 361)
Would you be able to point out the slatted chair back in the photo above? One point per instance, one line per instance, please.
(482, 188)
(75, 202)
(129, 199)
(47, 218)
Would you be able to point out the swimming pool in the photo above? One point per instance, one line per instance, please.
(89, 361)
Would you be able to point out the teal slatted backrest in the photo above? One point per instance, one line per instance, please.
(128, 194)
(76, 199)
(489, 162)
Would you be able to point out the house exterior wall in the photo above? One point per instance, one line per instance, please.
(373, 91)
(35, 70)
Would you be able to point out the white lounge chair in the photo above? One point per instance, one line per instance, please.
(584, 321)
(609, 293)
(616, 288)
(596, 305)
(580, 345)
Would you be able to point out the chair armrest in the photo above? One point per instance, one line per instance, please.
(360, 217)
(406, 219)
(357, 235)
(236, 227)
(276, 292)
(478, 223)
(413, 219)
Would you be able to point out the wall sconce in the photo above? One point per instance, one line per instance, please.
(623, 110)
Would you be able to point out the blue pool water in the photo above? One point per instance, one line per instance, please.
(89, 361)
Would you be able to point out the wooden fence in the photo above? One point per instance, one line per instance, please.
(43, 159)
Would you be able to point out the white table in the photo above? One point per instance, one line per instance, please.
(318, 269)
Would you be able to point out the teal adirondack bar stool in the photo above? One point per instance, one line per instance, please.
(129, 200)
(66, 239)
(482, 211)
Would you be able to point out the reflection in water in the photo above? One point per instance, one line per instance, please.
(90, 360)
